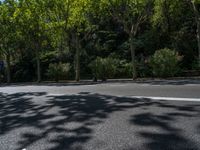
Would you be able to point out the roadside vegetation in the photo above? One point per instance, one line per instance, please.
(56, 40)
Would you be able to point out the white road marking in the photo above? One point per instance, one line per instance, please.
(90, 85)
(51, 94)
(167, 98)
(145, 97)
(115, 85)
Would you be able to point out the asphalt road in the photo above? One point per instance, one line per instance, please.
(106, 116)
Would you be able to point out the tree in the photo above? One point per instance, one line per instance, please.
(70, 18)
(80, 29)
(33, 19)
(59, 15)
(9, 33)
(36, 33)
(130, 14)
(196, 7)
(175, 26)
(166, 16)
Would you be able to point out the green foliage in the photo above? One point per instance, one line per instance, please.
(37, 33)
(58, 71)
(123, 69)
(144, 70)
(164, 63)
(127, 69)
(8, 28)
(165, 9)
(195, 65)
(104, 68)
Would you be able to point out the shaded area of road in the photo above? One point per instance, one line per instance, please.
(35, 120)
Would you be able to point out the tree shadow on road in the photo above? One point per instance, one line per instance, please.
(166, 130)
(17, 110)
(69, 121)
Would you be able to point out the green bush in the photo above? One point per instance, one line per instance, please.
(127, 68)
(164, 63)
(143, 70)
(104, 68)
(195, 65)
(124, 69)
(58, 71)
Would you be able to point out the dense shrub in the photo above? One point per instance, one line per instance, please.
(124, 69)
(195, 64)
(104, 68)
(164, 63)
(144, 70)
(2, 75)
(58, 71)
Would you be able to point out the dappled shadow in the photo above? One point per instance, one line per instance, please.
(165, 129)
(86, 111)
(68, 122)
(198, 129)
(18, 109)
(69, 118)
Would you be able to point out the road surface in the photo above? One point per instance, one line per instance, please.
(155, 115)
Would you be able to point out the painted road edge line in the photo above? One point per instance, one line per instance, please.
(167, 98)
(144, 97)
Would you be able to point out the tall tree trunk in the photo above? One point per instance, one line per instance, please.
(197, 18)
(77, 59)
(8, 72)
(38, 65)
(165, 11)
(198, 39)
(132, 48)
